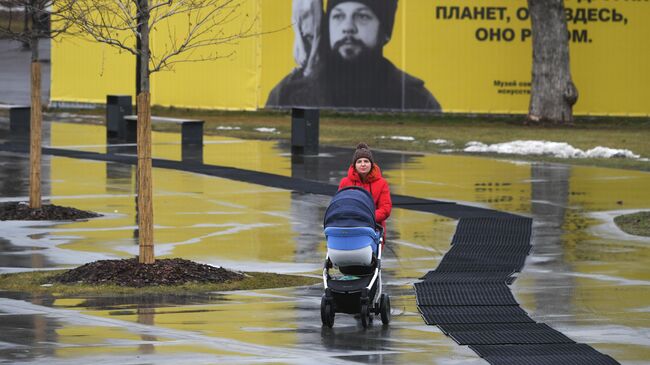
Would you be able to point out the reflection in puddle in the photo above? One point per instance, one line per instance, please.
(580, 277)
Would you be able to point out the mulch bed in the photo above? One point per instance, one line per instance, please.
(20, 211)
(129, 272)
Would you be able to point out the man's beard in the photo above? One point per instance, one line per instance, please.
(363, 54)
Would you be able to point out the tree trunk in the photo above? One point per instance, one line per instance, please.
(35, 122)
(553, 92)
(138, 59)
(26, 45)
(145, 195)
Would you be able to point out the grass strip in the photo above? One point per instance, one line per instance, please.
(636, 223)
(40, 283)
(378, 130)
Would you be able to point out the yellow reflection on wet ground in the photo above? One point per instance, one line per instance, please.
(112, 336)
(265, 325)
(196, 217)
(583, 277)
(417, 242)
(83, 137)
(497, 184)
(264, 156)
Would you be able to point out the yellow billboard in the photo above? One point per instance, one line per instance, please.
(471, 56)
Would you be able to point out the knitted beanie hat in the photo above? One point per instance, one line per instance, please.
(362, 151)
(384, 9)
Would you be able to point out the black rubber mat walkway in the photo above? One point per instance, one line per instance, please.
(467, 295)
(468, 298)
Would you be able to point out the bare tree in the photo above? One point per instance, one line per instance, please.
(126, 25)
(553, 92)
(28, 21)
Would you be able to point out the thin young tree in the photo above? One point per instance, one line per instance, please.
(127, 24)
(553, 92)
(28, 21)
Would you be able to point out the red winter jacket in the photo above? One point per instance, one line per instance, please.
(378, 188)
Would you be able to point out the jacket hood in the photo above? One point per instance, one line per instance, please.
(373, 175)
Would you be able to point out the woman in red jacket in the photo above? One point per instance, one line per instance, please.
(365, 173)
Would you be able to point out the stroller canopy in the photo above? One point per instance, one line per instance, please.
(351, 207)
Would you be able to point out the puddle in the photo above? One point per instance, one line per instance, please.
(581, 277)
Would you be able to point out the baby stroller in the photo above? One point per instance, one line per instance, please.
(354, 247)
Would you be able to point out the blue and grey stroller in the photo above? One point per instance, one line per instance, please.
(354, 247)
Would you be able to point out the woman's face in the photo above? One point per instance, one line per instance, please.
(363, 166)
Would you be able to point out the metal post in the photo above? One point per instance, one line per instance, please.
(117, 106)
(304, 131)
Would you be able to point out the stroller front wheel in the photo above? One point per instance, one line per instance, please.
(326, 312)
(365, 315)
(384, 308)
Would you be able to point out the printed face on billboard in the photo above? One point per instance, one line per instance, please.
(353, 29)
(345, 65)
(306, 21)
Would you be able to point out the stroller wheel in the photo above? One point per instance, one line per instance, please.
(326, 312)
(365, 315)
(384, 308)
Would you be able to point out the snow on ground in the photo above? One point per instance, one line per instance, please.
(399, 138)
(228, 128)
(266, 130)
(531, 147)
(554, 149)
(441, 142)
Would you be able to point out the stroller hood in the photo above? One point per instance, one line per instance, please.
(351, 207)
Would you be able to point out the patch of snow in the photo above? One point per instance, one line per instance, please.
(403, 138)
(228, 128)
(605, 152)
(267, 130)
(399, 138)
(555, 149)
(441, 142)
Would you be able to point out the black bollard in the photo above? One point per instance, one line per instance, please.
(304, 131)
(19, 117)
(117, 106)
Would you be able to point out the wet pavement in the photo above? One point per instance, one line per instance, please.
(584, 277)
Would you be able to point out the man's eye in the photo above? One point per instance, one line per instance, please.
(364, 17)
(337, 16)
